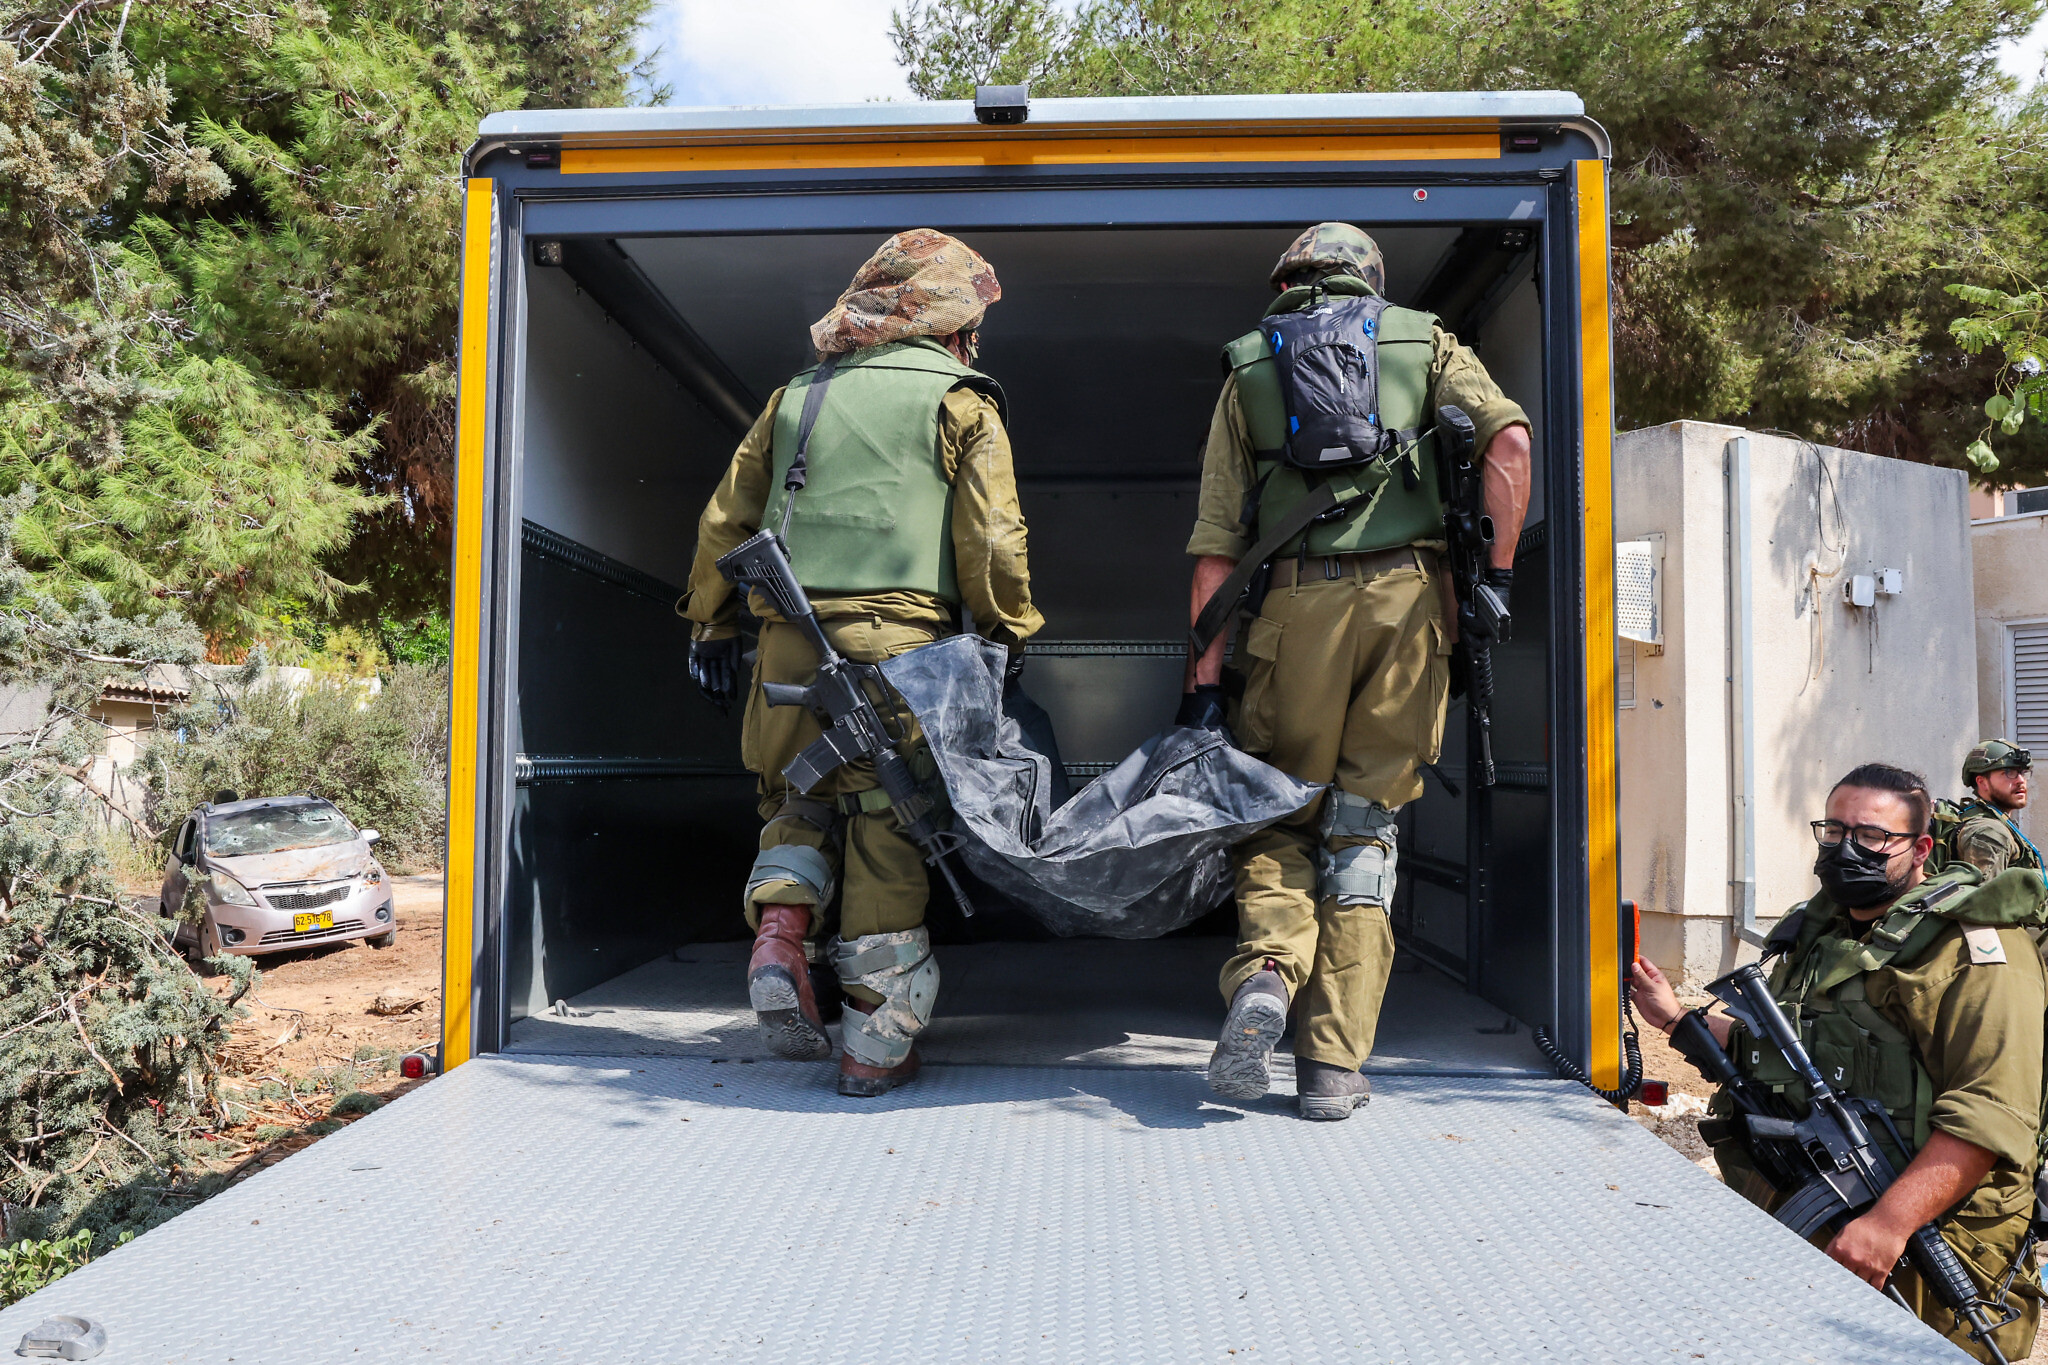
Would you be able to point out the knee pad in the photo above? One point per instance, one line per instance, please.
(1362, 874)
(810, 870)
(901, 969)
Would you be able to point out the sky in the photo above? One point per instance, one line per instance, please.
(777, 51)
(838, 52)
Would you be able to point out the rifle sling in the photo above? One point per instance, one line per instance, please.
(1216, 611)
(799, 464)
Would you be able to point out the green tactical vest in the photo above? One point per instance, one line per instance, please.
(876, 512)
(1398, 515)
(1821, 983)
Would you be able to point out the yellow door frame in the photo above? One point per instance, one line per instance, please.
(458, 929)
(479, 263)
(1596, 462)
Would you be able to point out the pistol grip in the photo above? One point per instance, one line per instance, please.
(785, 694)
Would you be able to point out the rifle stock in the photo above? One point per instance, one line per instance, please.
(842, 697)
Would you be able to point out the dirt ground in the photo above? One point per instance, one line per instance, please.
(324, 1033)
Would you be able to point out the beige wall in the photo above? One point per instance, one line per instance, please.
(2012, 585)
(1834, 685)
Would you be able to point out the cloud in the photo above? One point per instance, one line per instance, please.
(777, 51)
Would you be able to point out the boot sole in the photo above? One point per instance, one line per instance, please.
(1241, 1066)
(868, 1087)
(1325, 1108)
(785, 1031)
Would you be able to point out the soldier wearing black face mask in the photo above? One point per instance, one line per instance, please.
(1926, 995)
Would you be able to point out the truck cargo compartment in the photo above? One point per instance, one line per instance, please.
(643, 359)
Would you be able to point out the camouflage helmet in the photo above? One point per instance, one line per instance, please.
(918, 283)
(1992, 755)
(1334, 248)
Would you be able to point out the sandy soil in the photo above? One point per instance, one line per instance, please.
(327, 1023)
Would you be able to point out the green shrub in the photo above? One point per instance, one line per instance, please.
(381, 757)
(26, 1267)
(357, 1102)
(271, 1132)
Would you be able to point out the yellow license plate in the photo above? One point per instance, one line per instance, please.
(321, 919)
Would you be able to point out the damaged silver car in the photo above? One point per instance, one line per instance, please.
(275, 873)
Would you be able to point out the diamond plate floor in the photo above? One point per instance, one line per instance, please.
(683, 1209)
(1068, 1003)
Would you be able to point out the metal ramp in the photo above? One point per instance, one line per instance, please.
(1070, 1002)
(665, 1209)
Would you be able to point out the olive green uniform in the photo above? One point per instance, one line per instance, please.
(1344, 680)
(881, 872)
(1986, 841)
(1973, 1027)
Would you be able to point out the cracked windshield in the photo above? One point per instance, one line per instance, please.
(276, 829)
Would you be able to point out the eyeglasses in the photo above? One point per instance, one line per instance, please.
(1875, 838)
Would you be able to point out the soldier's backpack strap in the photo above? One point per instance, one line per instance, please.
(1942, 822)
(1917, 918)
(799, 465)
(2016, 898)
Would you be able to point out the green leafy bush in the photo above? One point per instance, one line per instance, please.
(27, 1266)
(380, 757)
(357, 1102)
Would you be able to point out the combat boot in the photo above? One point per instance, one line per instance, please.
(1328, 1092)
(779, 986)
(1241, 1067)
(862, 1081)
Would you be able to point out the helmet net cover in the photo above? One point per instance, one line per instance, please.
(918, 283)
(1333, 248)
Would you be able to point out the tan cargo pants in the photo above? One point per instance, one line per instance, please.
(1345, 682)
(1986, 1246)
(881, 873)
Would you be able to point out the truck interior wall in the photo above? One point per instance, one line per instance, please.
(1106, 342)
(603, 663)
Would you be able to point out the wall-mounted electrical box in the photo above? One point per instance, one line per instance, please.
(1639, 592)
(1891, 582)
(1860, 590)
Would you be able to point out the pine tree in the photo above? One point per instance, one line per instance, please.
(334, 265)
(168, 474)
(1794, 187)
(109, 1063)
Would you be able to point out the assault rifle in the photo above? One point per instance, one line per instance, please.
(841, 697)
(1483, 616)
(1824, 1158)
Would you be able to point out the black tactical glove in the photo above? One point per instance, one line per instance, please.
(715, 668)
(1012, 671)
(1487, 621)
(1501, 581)
(1202, 709)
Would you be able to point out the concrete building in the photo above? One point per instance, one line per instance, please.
(2010, 550)
(1849, 639)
